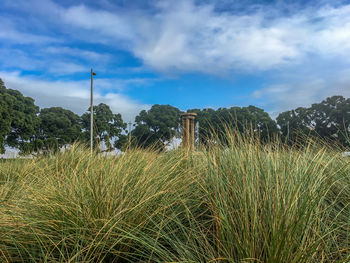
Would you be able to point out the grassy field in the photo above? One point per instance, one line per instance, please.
(243, 203)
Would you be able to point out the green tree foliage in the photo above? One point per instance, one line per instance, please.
(107, 125)
(5, 119)
(59, 124)
(329, 120)
(33, 146)
(295, 124)
(21, 113)
(22, 127)
(156, 126)
(123, 142)
(246, 119)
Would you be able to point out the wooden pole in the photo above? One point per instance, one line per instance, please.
(129, 133)
(92, 111)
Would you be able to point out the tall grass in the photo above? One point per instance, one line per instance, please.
(245, 202)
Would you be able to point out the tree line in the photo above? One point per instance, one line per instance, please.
(25, 126)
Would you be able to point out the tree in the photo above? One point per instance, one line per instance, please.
(213, 124)
(208, 123)
(295, 124)
(107, 125)
(328, 120)
(123, 142)
(156, 126)
(254, 119)
(331, 119)
(59, 124)
(5, 118)
(21, 113)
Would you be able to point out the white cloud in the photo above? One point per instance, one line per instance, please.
(63, 68)
(18, 37)
(76, 52)
(73, 95)
(188, 37)
(303, 91)
(185, 36)
(40, 60)
(40, 7)
(182, 36)
(104, 22)
(56, 61)
(11, 58)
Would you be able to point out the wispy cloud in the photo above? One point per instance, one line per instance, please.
(189, 37)
(42, 60)
(76, 52)
(186, 36)
(305, 50)
(15, 36)
(302, 91)
(73, 95)
(64, 68)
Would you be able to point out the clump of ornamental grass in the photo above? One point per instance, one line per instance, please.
(237, 201)
(78, 207)
(277, 204)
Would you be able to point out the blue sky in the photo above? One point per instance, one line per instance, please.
(276, 55)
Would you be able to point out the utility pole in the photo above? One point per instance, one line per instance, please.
(92, 112)
(129, 132)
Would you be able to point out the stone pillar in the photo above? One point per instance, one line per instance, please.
(188, 124)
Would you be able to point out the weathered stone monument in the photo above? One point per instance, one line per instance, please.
(188, 124)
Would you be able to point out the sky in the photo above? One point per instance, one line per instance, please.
(276, 55)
